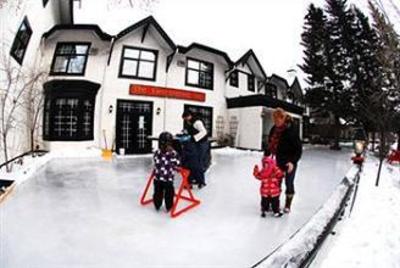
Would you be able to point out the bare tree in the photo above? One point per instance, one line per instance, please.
(34, 104)
(11, 4)
(15, 85)
(141, 4)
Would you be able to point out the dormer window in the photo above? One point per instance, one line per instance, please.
(250, 83)
(138, 63)
(70, 59)
(199, 74)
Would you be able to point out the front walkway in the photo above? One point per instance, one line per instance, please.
(86, 213)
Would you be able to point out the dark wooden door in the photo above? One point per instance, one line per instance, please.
(134, 124)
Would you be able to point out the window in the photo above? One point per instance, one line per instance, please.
(138, 63)
(204, 113)
(234, 79)
(250, 83)
(260, 85)
(199, 74)
(21, 41)
(45, 2)
(68, 118)
(70, 59)
(271, 90)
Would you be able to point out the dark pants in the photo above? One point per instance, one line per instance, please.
(190, 160)
(163, 190)
(202, 148)
(266, 202)
(289, 181)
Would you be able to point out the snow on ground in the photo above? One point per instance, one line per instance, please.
(86, 213)
(32, 164)
(294, 251)
(370, 237)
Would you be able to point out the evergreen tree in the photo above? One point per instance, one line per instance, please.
(339, 62)
(365, 68)
(314, 40)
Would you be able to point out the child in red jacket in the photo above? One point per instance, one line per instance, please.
(271, 177)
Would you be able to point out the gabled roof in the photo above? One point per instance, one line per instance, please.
(296, 85)
(245, 59)
(277, 77)
(184, 50)
(296, 89)
(146, 23)
(91, 27)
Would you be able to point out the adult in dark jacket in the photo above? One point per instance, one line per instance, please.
(194, 126)
(284, 142)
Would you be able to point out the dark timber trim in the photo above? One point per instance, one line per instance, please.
(211, 50)
(145, 30)
(90, 27)
(263, 101)
(147, 22)
(244, 59)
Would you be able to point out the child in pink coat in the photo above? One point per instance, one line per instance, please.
(271, 177)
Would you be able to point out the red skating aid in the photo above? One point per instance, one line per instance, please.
(184, 186)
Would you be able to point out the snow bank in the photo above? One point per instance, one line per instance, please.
(31, 165)
(371, 236)
(229, 151)
(301, 244)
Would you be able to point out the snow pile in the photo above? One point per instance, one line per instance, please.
(229, 151)
(71, 152)
(295, 250)
(31, 165)
(371, 236)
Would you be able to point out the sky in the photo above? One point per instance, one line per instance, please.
(272, 28)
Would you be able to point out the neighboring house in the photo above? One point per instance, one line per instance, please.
(126, 87)
(22, 25)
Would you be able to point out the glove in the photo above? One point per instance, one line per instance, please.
(255, 170)
(184, 138)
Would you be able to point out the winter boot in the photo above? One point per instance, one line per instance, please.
(278, 214)
(202, 185)
(288, 203)
(263, 214)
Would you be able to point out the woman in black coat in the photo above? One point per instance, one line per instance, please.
(284, 142)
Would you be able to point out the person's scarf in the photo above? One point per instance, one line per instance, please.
(274, 139)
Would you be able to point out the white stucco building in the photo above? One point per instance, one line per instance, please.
(122, 88)
(22, 24)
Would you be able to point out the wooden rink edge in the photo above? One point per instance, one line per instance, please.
(8, 192)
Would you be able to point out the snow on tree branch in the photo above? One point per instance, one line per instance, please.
(141, 4)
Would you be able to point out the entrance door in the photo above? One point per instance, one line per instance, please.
(134, 124)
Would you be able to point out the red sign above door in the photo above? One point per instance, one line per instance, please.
(172, 93)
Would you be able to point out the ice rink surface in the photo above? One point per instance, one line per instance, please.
(86, 213)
